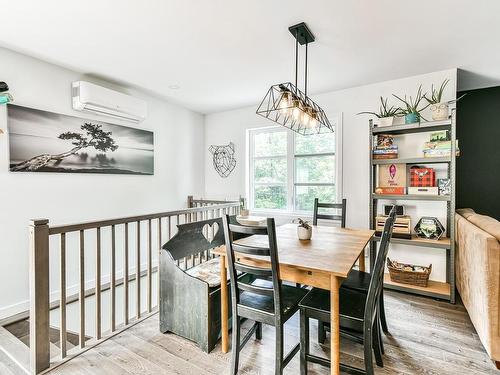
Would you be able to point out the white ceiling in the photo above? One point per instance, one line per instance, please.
(226, 53)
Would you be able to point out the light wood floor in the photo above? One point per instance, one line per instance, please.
(427, 337)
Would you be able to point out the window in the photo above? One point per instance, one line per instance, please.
(270, 172)
(288, 170)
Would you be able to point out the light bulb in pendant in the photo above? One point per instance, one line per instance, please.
(306, 119)
(314, 118)
(285, 103)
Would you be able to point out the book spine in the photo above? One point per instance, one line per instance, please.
(398, 190)
(385, 156)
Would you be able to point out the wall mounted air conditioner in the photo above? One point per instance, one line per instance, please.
(93, 98)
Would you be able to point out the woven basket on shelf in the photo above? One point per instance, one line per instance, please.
(401, 274)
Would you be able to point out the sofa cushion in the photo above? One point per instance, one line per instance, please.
(486, 223)
(465, 212)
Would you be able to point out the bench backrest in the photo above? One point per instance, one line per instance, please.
(194, 238)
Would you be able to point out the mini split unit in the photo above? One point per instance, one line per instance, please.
(89, 97)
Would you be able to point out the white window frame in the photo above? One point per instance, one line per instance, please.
(291, 158)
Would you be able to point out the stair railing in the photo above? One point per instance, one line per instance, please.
(42, 235)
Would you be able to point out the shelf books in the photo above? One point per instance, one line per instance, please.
(439, 145)
(384, 147)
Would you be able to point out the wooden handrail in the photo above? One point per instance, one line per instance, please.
(40, 231)
(130, 219)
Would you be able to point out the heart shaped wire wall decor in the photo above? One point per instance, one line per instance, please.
(223, 158)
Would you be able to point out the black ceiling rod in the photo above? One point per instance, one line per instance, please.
(305, 79)
(296, 58)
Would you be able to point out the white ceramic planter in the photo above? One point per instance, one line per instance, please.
(440, 111)
(385, 121)
(304, 233)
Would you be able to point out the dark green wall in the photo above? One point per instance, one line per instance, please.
(478, 167)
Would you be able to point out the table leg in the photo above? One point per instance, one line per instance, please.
(362, 261)
(224, 305)
(335, 325)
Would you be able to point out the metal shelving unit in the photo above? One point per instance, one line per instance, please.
(412, 160)
(441, 290)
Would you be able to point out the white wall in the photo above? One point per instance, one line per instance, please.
(68, 198)
(223, 127)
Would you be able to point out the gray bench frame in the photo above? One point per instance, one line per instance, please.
(189, 307)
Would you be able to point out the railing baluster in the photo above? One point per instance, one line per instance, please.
(158, 267)
(98, 285)
(81, 294)
(125, 277)
(150, 270)
(138, 272)
(112, 283)
(62, 300)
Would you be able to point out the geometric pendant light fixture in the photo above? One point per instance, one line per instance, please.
(290, 107)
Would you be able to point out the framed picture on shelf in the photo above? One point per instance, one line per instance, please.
(444, 185)
(429, 228)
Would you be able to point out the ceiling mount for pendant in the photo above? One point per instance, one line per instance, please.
(290, 107)
(302, 33)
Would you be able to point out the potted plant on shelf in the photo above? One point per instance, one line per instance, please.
(440, 109)
(386, 114)
(412, 109)
(304, 229)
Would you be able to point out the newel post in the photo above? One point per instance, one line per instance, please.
(190, 201)
(39, 295)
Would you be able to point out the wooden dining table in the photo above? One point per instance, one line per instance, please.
(322, 262)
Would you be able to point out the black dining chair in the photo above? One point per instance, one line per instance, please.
(341, 206)
(264, 300)
(357, 280)
(358, 314)
(323, 327)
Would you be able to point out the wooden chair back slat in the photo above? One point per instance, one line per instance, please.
(236, 228)
(251, 250)
(258, 271)
(255, 289)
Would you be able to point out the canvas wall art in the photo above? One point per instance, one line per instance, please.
(42, 141)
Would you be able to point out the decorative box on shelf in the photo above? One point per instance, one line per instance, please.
(392, 179)
(423, 190)
(402, 226)
(422, 177)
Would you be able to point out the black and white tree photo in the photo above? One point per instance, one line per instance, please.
(42, 141)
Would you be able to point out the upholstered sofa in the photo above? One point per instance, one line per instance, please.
(477, 240)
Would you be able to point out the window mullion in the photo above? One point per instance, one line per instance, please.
(291, 171)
